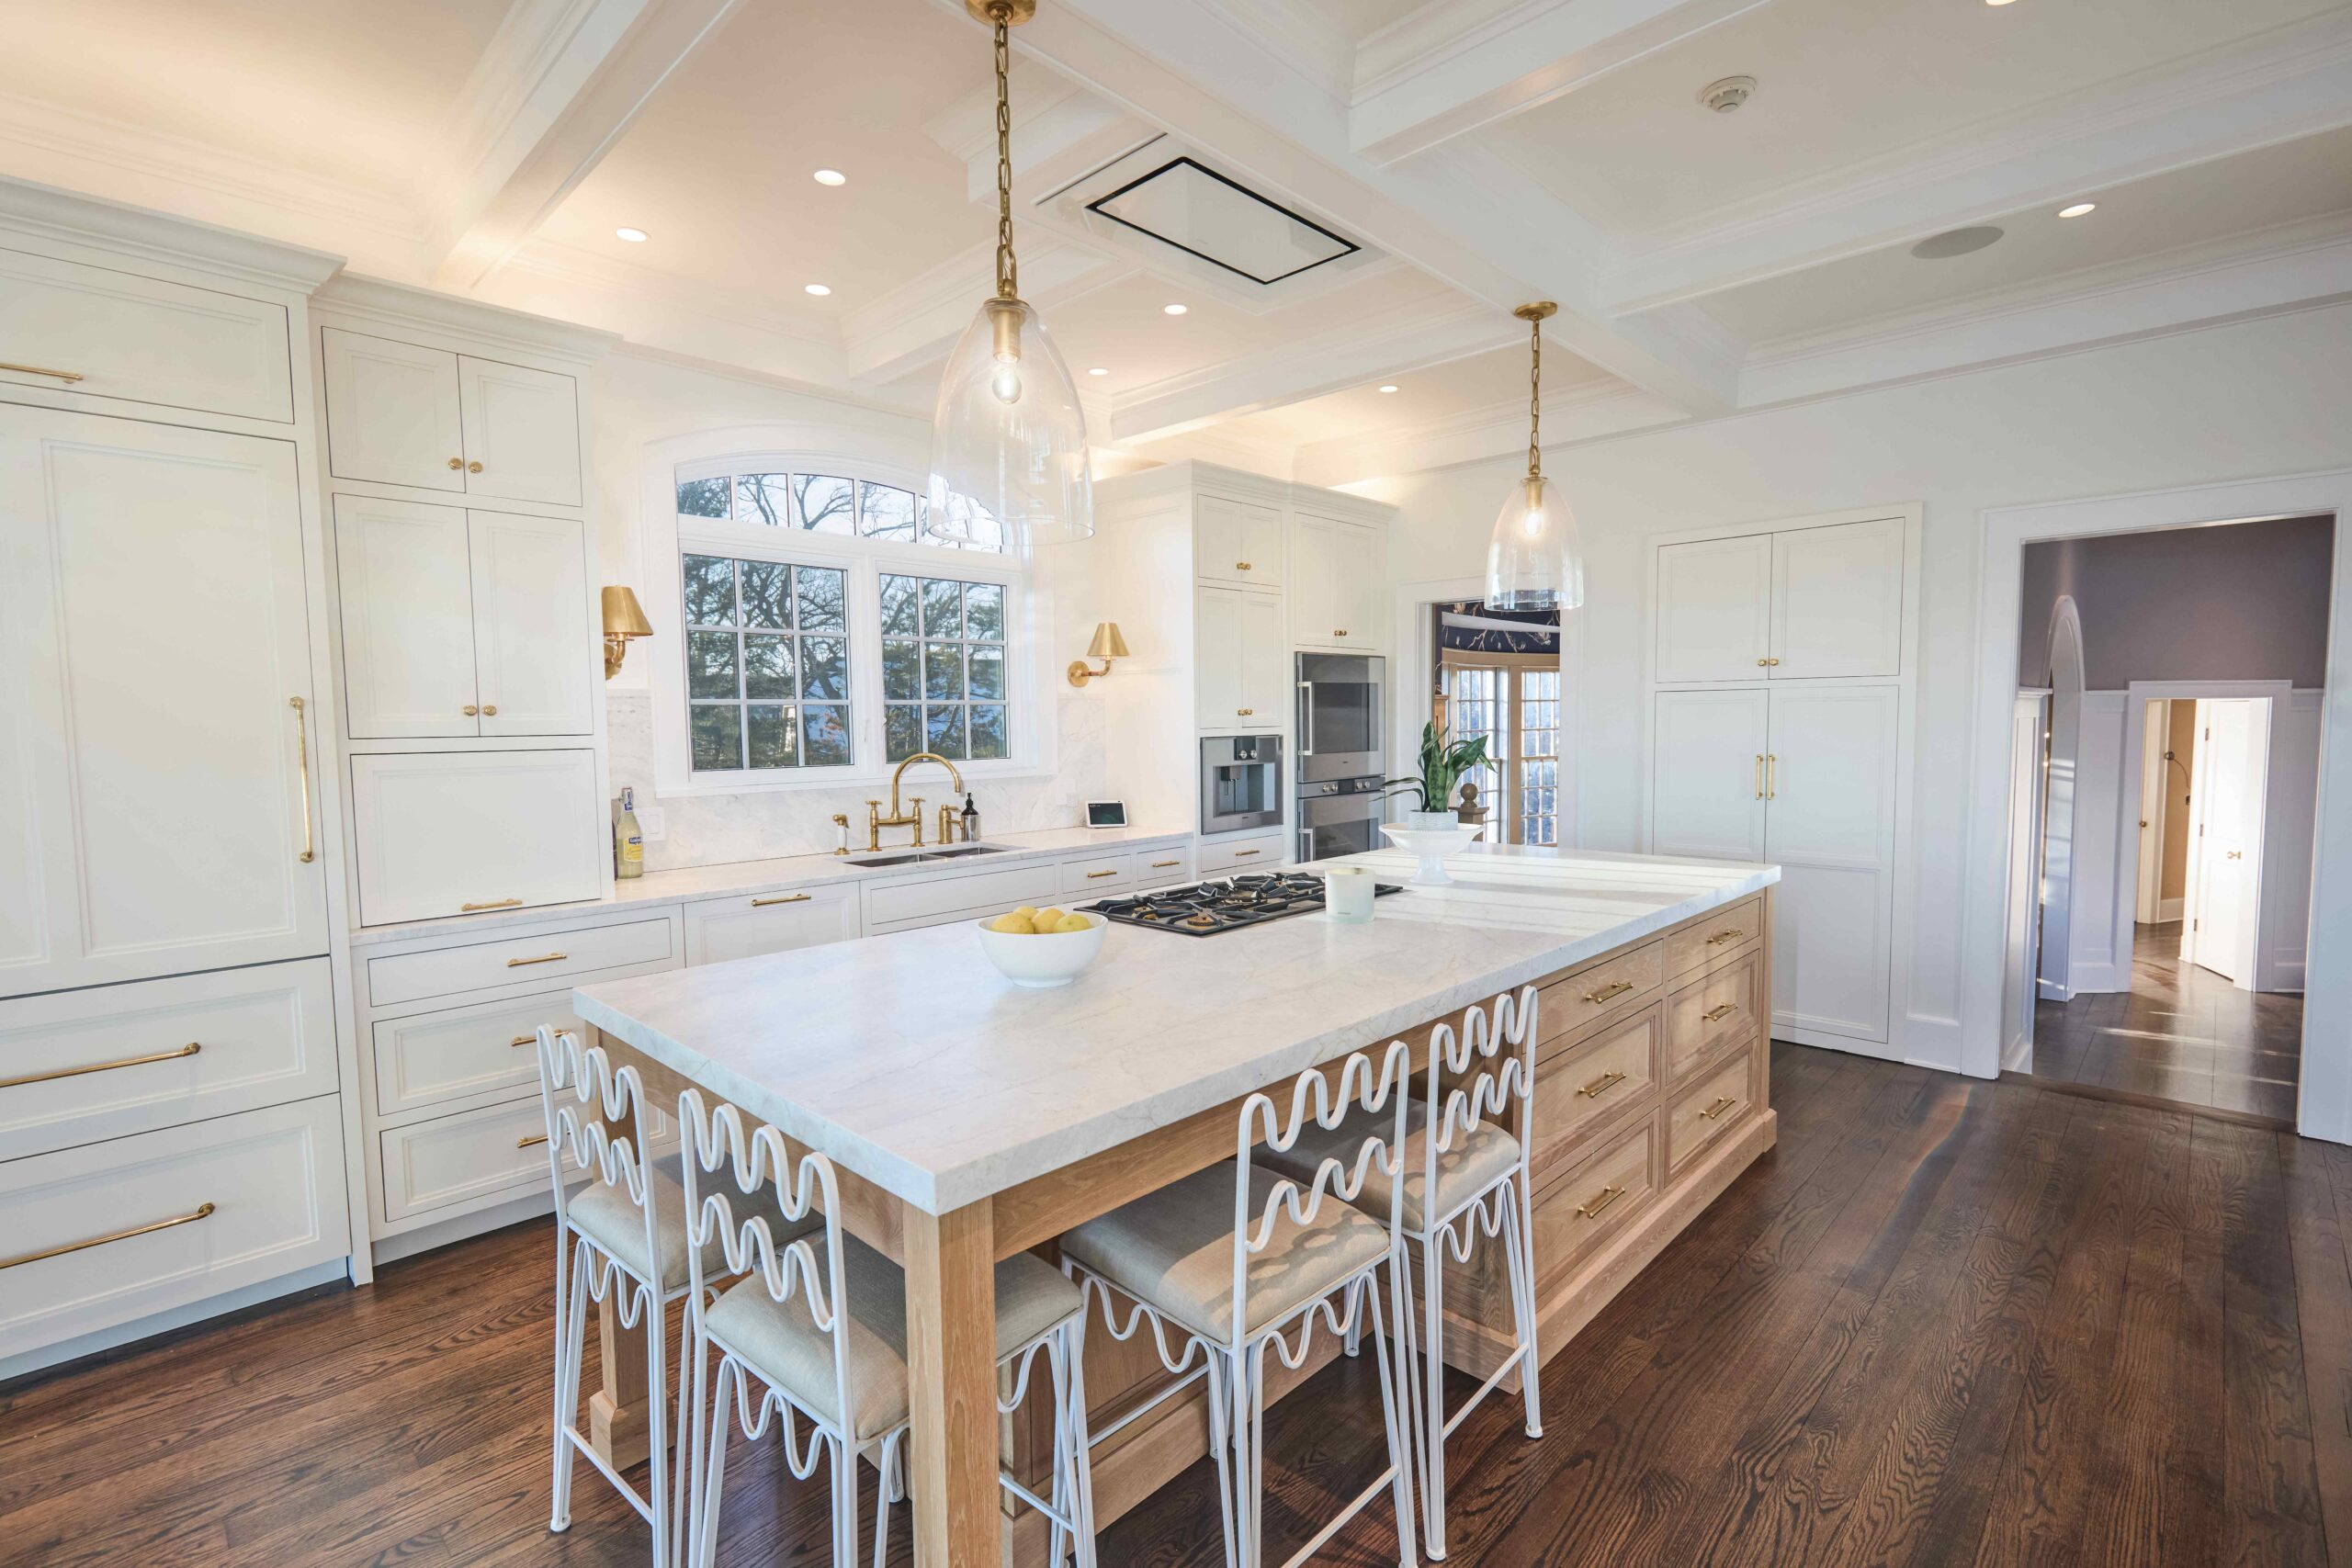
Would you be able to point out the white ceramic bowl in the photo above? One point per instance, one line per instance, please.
(1041, 960)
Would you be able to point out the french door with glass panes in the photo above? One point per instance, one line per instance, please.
(1515, 704)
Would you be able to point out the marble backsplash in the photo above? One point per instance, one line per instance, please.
(711, 829)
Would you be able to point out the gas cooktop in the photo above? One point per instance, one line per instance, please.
(1205, 908)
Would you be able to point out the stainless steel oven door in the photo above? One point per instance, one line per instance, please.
(1344, 822)
(1343, 711)
(1241, 783)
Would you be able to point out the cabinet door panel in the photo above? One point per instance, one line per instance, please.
(1261, 545)
(722, 930)
(1830, 826)
(153, 800)
(1220, 668)
(1714, 619)
(1265, 662)
(1706, 788)
(405, 581)
(392, 413)
(440, 830)
(1218, 552)
(522, 428)
(1318, 569)
(530, 631)
(1837, 600)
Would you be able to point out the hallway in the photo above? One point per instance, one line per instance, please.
(2181, 1034)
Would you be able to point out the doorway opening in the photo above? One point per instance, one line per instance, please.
(1498, 674)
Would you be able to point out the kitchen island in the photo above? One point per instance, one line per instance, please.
(971, 1120)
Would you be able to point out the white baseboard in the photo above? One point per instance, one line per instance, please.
(165, 1321)
(425, 1238)
(2097, 976)
(2051, 991)
(1932, 1041)
(2170, 909)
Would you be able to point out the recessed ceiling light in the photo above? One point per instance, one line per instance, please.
(1955, 243)
(1390, 388)
(1998, 2)
(831, 177)
(1098, 370)
(816, 288)
(1175, 310)
(634, 236)
(2078, 209)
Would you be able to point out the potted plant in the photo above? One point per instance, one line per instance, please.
(1443, 762)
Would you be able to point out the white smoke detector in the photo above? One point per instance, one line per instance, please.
(1728, 94)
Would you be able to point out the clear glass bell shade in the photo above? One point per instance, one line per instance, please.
(1535, 560)
(1008, 442)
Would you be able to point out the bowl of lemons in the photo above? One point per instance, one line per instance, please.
(1041, 948)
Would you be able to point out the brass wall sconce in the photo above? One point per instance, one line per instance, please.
(1107, 645)
(624, 620)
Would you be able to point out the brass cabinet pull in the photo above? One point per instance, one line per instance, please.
(523, 1040)
(1729, 933)
(1721, 1104)
(1601, 1085)
(1772, 770)
(1093, 875)
(473, 468)
(202, 1211)
(1716, 1015)
(1164, 865)
(302, 767)
(1245, 854)
(190, 1049)
(1615, 988)
(532, 1142)
(493, 904)
(41, 370)
(456, 465)
(542, 958)
(785, 898)
(1608, 1195)
(1759, 775)
(470, 710)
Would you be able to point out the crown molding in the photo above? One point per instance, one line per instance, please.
(396, 304)
(114, 225)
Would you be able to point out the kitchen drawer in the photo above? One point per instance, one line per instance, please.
(928, 899)
(131, 339)
(1163, 868)
(233, 1202)
(1601, 1079)
(449, 832)
(1709, 1012)
(497, 1150)
(157, 1052)
(1219, 857)
(1725, 931)
(548, 956)
(1611, 986)
(719, 930)
(429, 1057)
(1097, 875)
(1708, 1109)
(1593, 1203)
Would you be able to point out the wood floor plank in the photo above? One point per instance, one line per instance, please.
(2315, 1236)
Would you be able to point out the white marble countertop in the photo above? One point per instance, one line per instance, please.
(912, 1062)
(687, 884)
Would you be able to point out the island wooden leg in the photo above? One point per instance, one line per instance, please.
(617, 1410)
(950, 1366)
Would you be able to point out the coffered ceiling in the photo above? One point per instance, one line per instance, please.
(1472, 154)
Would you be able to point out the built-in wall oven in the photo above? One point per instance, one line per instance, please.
(1339, 816)
(1241, 783)
(1342, 709)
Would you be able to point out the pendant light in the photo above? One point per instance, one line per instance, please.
(1534, 561)
(1009, 464)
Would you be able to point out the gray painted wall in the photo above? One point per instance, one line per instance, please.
(2243, 602)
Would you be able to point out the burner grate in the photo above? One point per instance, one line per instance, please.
(1204, 908)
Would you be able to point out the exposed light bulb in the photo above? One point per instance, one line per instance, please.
(1006, 382)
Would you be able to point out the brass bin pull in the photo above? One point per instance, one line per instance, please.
(1601, 1085)
(1716, 1015)
(533, 1141)
(784, 898)
(41, 370)
(1094, 876)
(542, 958)
(493, 904)
(190, 1049)
(523, 1040)
(302, 762)
(1721, 1104)
(1615, 988)
(202, 1211)
(1608, 1195)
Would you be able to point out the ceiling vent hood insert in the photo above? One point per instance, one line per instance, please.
(1200, 213)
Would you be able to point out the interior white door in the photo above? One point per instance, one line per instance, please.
(2028, 724)
(1837, 600)
(530, 625)
(1707, 765)
(1715, 609)
(392, 411)
(156, 779)
(1265, 663)
(2232, 746)
(405, 581)
(522, 432)
(1829, 824)
(1220, 663)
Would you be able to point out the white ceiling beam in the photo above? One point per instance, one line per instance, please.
(1436, 75)
(558, 84)
(1585, 413)
(2291, 83)
(914, 326)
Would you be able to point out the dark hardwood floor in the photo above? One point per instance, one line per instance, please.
(1946, 1321)
(2181, 1034)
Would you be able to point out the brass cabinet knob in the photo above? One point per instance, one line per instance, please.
(1241, 566)
(1243, 713)
(490, 710)
(473, 468)
(470, 710)
(1337, 633)
(456, 465)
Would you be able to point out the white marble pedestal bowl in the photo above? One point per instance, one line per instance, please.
(1431, 846)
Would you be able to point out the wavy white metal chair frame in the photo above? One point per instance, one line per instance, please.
(1235, 1367)
(715, 1143)
(1502, 1204)
(579, 1092)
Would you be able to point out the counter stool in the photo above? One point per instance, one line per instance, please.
(1234, 1261)
(1479, 1171)
(817, 1332)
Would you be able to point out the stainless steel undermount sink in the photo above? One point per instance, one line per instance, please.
(912, 857)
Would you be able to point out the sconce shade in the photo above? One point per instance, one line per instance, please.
(1107, 643)
(623, 615)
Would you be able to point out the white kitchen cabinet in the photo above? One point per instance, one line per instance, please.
(1237, 541)
(1707, 779)
(402, 414)
(534, 661)
(1837, 600)
(719, 930)
(1241, 673)
(1714, 610)
(1335, 584)
(158, 745)
(429, 1058)
(522, 432)
(446, 832)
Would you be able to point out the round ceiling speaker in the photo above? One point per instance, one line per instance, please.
(1728, 94)
(1955, 243)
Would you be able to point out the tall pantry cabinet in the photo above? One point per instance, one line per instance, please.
(1782, 665)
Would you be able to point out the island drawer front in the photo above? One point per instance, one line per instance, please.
(495, 1150)
(1098, 874)
(1724, 931)
(1163, 868)
(719, 930)
(1584, 1208)
(1215, 857)
(428, 1058)
(925, 900)
(1708, 1109)
(273, 1177)
(550, 955)
(1599, 1079)
(152, 1053)
(1709, 1012)
(1611, 986)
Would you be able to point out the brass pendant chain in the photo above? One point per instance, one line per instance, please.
(1535, 398)
(1008, 273)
